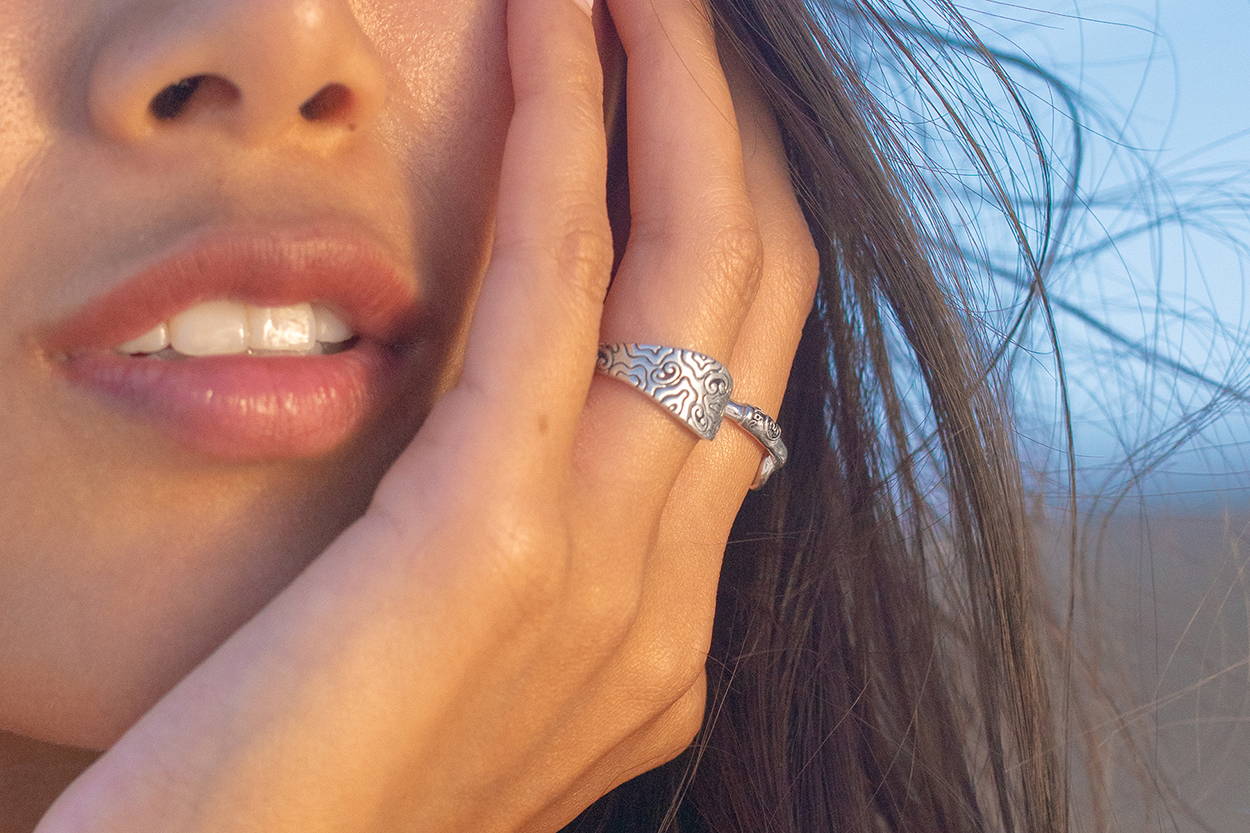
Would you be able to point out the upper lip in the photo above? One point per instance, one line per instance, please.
(270, 267)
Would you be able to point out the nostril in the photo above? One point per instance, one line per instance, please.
(173, 101)
(168, 103)
(332, 103)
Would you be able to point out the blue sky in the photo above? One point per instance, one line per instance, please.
(1169, 81)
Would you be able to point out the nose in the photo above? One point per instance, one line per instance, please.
(259, 70)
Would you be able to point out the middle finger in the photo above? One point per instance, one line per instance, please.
(692, 263)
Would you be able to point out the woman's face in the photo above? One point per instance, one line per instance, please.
(139, 533)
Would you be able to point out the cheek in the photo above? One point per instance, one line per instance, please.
(443, 58)
(447, 120)
(24, 37)
(449, 86)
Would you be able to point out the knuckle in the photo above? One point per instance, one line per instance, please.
(584, 255)
(581, 104)
(666, 672)
(737, 245)
(674, 731)
(526, 562)
(730, 248)
(584, 244)
(579, 249)
(606, 615)
(577, 234)
(735, 250)
(561, 80)
(803, 266)
(685, 718)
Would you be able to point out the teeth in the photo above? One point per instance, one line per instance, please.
(153, 341)
(287, 329)
(331, 329)
(226, 328)
(214, 328)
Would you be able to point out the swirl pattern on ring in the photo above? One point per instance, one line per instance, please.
(693, 387)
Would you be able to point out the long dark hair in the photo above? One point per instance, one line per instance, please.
(879, 660)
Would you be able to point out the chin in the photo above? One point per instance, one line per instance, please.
(81, 664)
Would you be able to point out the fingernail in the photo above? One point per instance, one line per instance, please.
(588, 6)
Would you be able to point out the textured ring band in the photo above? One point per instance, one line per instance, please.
(766, 432)
(695, 389)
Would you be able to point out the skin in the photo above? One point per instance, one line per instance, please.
(508, 513)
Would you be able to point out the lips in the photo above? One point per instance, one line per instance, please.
(249, 408)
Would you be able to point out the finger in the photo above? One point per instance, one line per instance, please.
(531, 346)
(769, 337)
(692, 261)
(683, 572)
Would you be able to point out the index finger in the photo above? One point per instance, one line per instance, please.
(534, 336)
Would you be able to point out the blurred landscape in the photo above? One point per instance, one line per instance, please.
(1167, 618)
(1151, 296)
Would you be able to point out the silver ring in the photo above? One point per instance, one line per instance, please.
(767, 433)
(694, 388)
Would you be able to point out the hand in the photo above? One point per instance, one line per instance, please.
(520, 621)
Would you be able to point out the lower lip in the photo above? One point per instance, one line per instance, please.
(248, 408)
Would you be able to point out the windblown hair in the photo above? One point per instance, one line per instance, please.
(879, 659)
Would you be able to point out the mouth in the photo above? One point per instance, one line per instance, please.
(248, 346)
